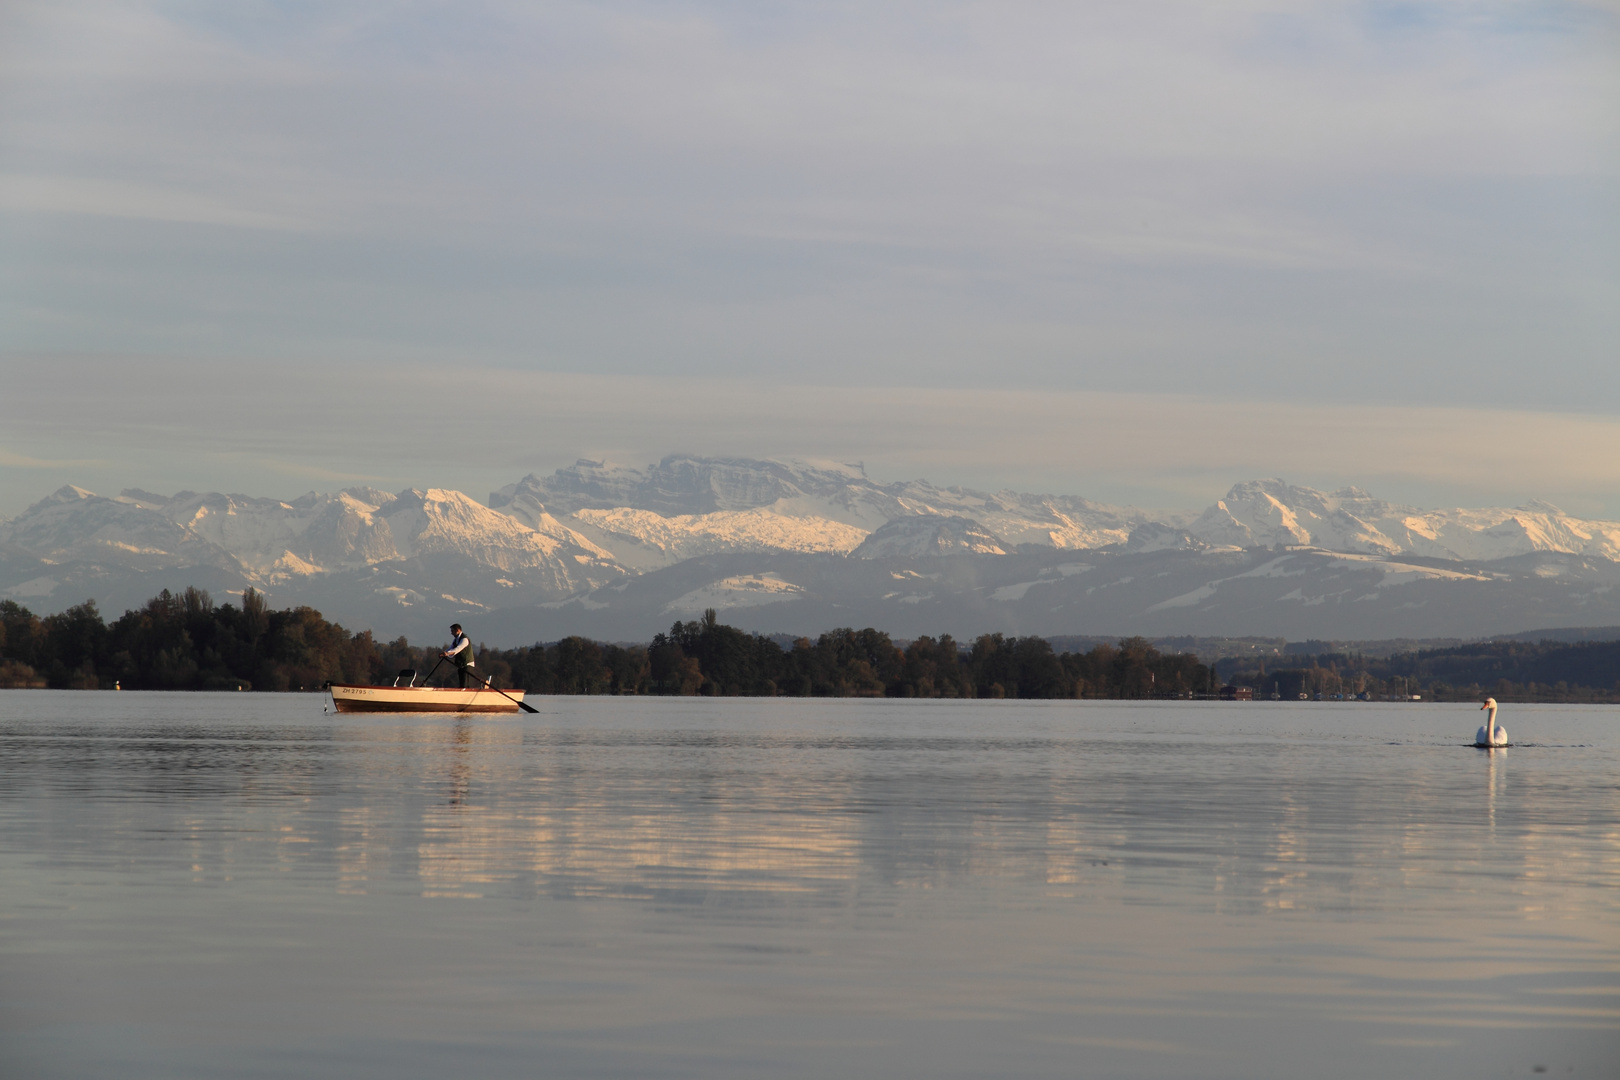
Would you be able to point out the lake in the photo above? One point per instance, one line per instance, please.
(239, 885)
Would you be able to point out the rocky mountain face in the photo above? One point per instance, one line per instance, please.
(802, 546)
(927, 535)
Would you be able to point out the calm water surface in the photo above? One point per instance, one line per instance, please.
(238, 885)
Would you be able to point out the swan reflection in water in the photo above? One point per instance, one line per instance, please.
(1490, 734)
(1494, 781)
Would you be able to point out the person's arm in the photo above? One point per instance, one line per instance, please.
(460, 645)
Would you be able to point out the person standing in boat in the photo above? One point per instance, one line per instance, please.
(461, 652)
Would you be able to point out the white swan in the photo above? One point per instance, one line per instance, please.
(1490, 734)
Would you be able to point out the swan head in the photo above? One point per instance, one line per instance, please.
(1489, 703)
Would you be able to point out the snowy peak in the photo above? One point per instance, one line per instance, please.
(706, 485)
(585, 483)
(442, 522)
(348, 530)
(687, 506)
(644, 540)
(268, 541)
(681, 485)
(684, 507)
(596, 525)
(1271, 513)
(75, 524)
(273, 538)
(1157, 536)
(930, 535)
(66, 495)
(1060, 521)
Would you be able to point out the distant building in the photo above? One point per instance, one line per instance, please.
(1237, 693)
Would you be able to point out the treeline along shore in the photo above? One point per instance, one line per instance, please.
(1585, 671)
(184, 641)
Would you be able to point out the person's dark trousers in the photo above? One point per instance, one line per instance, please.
(463, 673)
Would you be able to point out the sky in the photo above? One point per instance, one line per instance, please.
(1135, 251)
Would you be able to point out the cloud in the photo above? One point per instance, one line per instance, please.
(9, 460)
(231, 463)
(1321, 210)
(477, 429)
(109, 198)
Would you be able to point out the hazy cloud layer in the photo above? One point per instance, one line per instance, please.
(476, 431)
(1266, 212)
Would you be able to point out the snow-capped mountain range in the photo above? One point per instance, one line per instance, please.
(766, 536)
(1270, 513)
(683, 507)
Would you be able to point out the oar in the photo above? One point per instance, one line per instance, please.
(432, 670)
(520, 704)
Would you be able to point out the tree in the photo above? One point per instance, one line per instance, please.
(75, 639)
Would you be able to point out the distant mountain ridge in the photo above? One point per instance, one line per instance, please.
(269, 541)
(592, 542)
(685, 506)
(1271, 513)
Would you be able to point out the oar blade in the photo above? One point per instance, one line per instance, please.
(489, 684)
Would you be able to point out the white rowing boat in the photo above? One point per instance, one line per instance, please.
(350, 698)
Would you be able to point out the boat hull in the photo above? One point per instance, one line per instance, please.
(423, 699)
